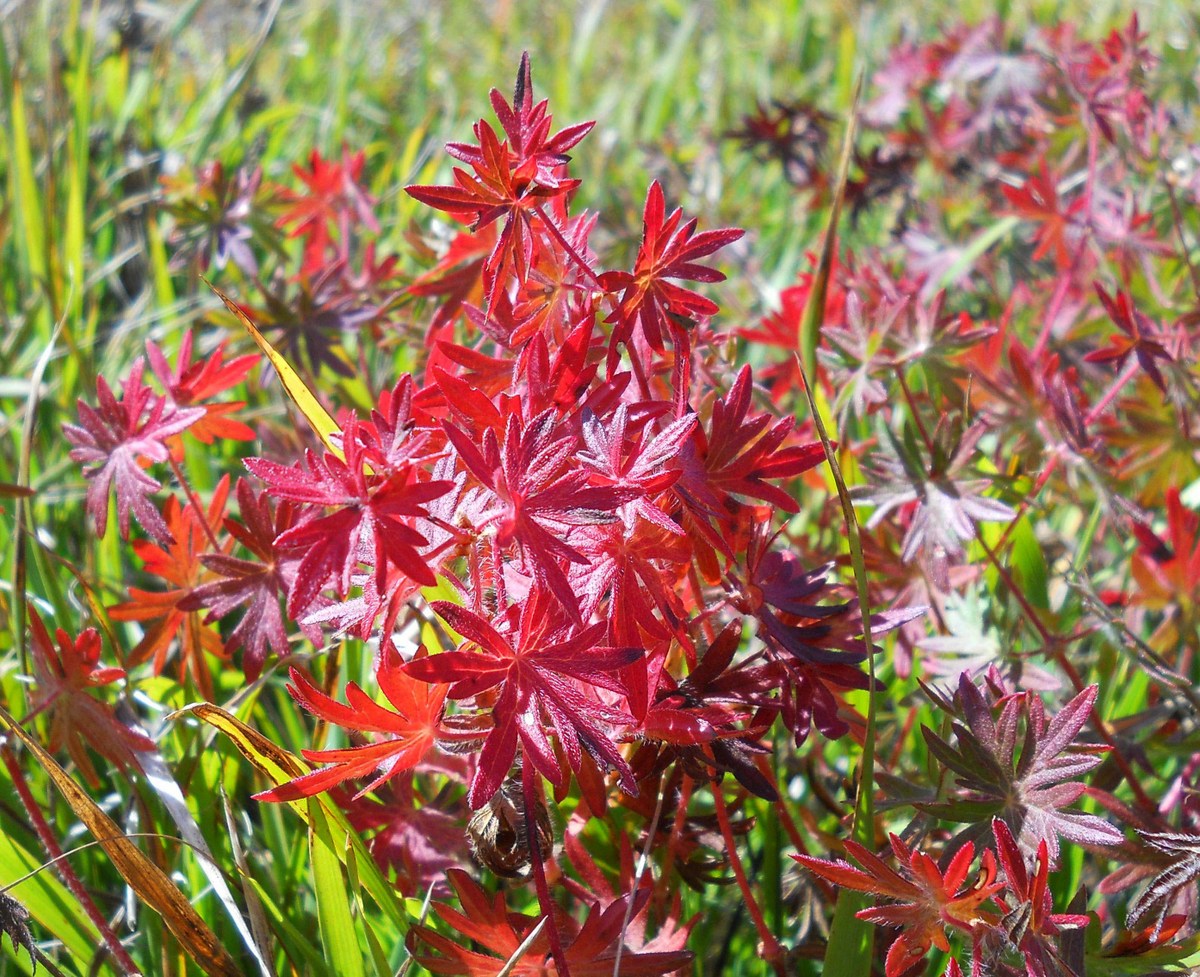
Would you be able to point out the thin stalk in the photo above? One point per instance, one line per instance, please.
(571, 252)
(1177, 220)
(771, 950)
(1111, 394)
(529, 788)
(194, 502)
(912, 409)
(643, 861)
(767, 766)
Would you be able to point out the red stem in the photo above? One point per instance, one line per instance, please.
(643, 861)
(1184, 249)
(1029, 499)
(789, 822)
(912, 407)
(668, 865)
(539, 869)
(1111, 394)
(195, 504)
(566, 245)
(771, 949)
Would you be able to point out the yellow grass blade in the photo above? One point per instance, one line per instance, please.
(317, 416)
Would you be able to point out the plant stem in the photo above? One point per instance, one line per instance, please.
(539, 869)
(1111, 394)
(916, 415)
(194, 502)
(771, 950)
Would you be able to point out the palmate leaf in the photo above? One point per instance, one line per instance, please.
(66, 669)
(1027, 901)
(411, 726)
(1028, 778)
(180, 566)
(190, 383)
(1139, 337)
(527, 126)
(115, 438)
(1167, 569)
(333, 197)
(372, 514)
(258, 584)
(512, 179)
(649, 297)
(620, 460)
(739, 455)
(1059, 225)
(948, 503)
(537, 495)
(544, 665)
(926, 901)
(590, 949)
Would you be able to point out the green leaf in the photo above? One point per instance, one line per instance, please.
(851, 939)
(814, 309)
(338, 936)
(52, 907)
(1029, 564)
(298, 946)
(976, 250)
(279, 767)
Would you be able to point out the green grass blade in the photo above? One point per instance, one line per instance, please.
(339, 938)
(976, 250)
(144, 876)
(299, 947)
(279, 766)
(850, 939)
(24, 189)
(159, 776)
(52, 907)
(814, 310)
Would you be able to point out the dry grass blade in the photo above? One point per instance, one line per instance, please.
(523, 949)
(152, 885)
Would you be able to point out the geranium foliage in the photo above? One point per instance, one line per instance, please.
(522, 557)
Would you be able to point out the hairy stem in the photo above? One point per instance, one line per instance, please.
(1110, 395)
(771, 949)
(529, 788)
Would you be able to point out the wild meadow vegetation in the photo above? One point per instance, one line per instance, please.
(717, 493)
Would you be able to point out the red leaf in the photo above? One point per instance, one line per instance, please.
(65, 677)
(412, 726)
(114, 438)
